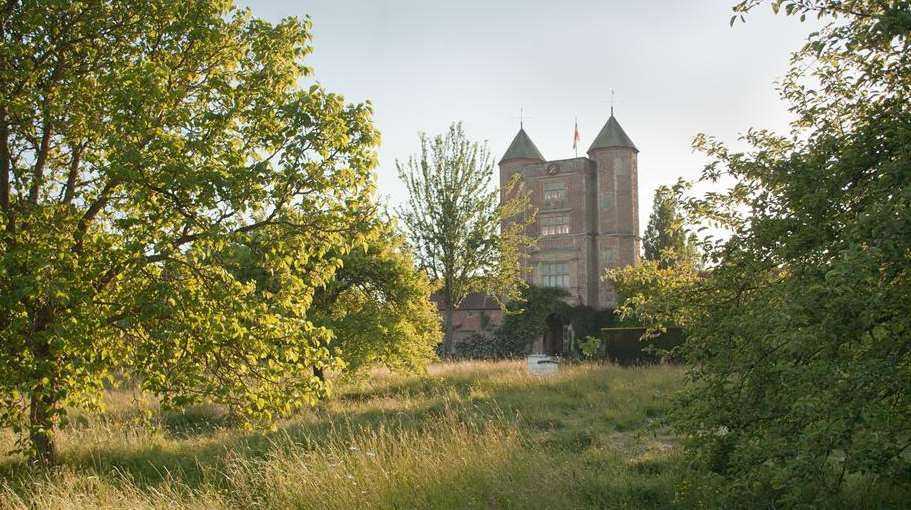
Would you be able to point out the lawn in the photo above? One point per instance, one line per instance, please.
(464, 435)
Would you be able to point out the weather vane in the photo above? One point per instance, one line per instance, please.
(522, 117)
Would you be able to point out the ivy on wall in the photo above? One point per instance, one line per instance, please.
(526, 320)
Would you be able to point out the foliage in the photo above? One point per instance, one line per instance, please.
(587, 321)
(138, 141)
(800, 337)
(666, 238)
(461, 234)
(633, 346)
(378, 306)
(491, 346)
(589, 347)
(526, 318)
(655, 294)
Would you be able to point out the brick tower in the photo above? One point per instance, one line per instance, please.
(617, 231)
(588, 212)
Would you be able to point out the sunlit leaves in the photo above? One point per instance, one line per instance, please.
(378, 305)
(143, 140)
(460, 232)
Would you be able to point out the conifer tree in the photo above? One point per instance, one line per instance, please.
(666, 239)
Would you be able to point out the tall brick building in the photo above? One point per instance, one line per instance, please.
(588, 212)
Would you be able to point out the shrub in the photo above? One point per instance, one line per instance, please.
(479, 346)
(590, 346)
(626, 346)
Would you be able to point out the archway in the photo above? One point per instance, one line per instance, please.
(553, 337)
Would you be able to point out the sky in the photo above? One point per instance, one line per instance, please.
(677, 68)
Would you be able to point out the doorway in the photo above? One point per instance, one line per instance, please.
(554, 336)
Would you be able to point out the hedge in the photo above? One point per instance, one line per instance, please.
(625, 346)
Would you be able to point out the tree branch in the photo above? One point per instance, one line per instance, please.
(93, 211)
(4, 162)
(70, 190)
(42, 150)
(44, 147)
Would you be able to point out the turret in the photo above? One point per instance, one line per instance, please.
(616, 162)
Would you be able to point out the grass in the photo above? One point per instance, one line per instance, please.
(465, 435)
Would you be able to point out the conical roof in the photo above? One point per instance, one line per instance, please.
(612, 135)
(522, 148)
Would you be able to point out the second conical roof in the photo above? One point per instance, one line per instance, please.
(612, 135)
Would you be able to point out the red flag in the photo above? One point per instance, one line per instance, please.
(576, 136)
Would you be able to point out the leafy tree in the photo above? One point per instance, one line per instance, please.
(655, 293)
(800, 337)
(378, 306)
(666, 239)
(138, 140)
(462, 235)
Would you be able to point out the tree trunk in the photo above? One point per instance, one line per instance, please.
(448, 334)
(44, 395)
(42, 420)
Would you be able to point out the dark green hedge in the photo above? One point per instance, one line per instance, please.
(625, 346)
(481, 346)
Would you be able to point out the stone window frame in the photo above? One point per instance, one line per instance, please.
(554, 194)
(555, 274)
(555, 224)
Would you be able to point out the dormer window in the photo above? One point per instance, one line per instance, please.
(554, 224)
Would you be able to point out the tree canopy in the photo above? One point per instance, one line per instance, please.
(799, 335)
(138, 141)
(462, 234)
(666, 240)
(378, 306)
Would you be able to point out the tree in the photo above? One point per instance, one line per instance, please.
(655, 293)
(666, 239)
(138, 140)
(378, 306)
(800, 337)
(460, 235)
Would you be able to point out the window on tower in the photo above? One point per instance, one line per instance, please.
(554, 224)
(555, 274)
(620, 167)
(554, 194)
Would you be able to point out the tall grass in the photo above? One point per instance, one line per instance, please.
(464, 435)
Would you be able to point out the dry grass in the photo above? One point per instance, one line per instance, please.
(464, 435)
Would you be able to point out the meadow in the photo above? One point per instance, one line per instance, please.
(463, 435)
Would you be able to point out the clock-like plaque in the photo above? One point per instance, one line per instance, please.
(552, 169)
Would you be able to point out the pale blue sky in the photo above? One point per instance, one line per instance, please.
(677, 67)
